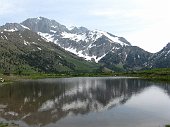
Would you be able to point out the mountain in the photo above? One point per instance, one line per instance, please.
(91, 45)
(11, 27)
(160, 59)
(44, 40)
(113, 52)
(126, 58)
(24, 51)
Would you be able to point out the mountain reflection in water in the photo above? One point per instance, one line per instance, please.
(41, 102)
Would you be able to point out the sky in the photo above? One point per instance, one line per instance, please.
(144, 23)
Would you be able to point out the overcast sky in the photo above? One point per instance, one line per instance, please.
(145, 23)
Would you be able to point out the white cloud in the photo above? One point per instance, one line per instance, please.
(152, 38)
(5, 7)
(105, 12)
(155, 33)
(10, 6)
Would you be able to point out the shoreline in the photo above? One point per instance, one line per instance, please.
(14, 78)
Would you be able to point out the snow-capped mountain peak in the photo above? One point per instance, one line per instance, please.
(90, 44)
(93, 45)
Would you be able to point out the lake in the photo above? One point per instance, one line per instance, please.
(86, 102)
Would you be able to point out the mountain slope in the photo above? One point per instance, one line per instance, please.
(91, 45)
(126, 58)
(160, 59)
(26, 50)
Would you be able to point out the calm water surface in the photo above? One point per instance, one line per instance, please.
(86, 102)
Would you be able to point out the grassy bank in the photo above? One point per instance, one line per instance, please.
(8, 125)
(155, 74)
(13, 77)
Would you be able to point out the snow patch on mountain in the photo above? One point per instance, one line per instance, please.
(54, 27)
(47, 37)
(84, 55)
(112, 38)
(53, 31)
(5, 37)
(11, 30)
(39, 48)
(94, 35)
(25, 27)
(91, 36)
(26, 43)
(74, 37)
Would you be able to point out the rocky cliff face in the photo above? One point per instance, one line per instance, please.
(44, 25)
